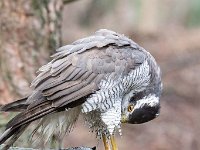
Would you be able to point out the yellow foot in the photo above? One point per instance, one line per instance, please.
(113, 142)
(105, 142)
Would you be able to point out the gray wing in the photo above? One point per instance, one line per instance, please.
(76, 69)
(75, 72)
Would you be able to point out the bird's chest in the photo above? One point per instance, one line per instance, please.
(105, 122)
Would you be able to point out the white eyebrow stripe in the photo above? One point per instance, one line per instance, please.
(150, 100)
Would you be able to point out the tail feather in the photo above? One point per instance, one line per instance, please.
(31, 115)
(11, 135)
(4, 136)
(18, 124)
(16, 106)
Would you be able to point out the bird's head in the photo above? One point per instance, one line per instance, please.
(141, 107)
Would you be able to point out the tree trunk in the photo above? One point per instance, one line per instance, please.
(29, 32)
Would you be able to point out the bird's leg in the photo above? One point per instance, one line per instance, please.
(113, 142)
(105, 142)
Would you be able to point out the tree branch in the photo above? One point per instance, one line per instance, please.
(73, 148)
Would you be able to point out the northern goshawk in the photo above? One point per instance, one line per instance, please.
(106, 77)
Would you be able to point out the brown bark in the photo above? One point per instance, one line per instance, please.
(29, 32)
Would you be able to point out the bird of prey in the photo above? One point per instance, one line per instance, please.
(106, 77)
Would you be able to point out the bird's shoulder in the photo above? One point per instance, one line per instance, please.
(103, 52)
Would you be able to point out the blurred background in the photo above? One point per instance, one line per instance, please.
(168, 29)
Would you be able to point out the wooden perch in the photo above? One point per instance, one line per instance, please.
(73, 148)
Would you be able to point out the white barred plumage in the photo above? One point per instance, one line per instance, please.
(108, 99)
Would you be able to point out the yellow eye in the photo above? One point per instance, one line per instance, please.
(130, 108)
